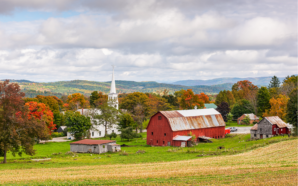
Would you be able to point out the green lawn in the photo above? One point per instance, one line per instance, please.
(235, 124)
(58, 152)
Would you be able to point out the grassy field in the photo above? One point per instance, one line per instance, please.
(235, 124)
(242, 161)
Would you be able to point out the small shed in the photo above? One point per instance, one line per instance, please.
(269, 127)
(182, 141)
(252, 117)
(94, 146)
(61, 129)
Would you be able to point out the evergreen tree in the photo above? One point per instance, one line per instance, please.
(263, 100)
(292, 109)
(93, 97)
(274, 83)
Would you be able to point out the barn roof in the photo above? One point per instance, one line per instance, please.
(251, 116)
(193, 119)
(276, 120)
(181, 138)
(92, 142)
(255, 127)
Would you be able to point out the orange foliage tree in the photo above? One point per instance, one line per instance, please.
(189, 99)
(41, 112)
(75, 100)
(278, 107)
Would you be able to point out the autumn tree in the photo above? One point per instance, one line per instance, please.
(224, 110)
(289, 84)
(97, 98)
(274, 83)
(18, 131)
(133, 99)
(278, 107)
(155, 104)
(78, 125)
(221, 97)
(241, 107)
(292, 109)
(172, 100)
(189, 100)
(40, 111)
(263, 100)
(138, 116)
(75, 100)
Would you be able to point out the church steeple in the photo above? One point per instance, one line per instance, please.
(113, 84)
(113, 96)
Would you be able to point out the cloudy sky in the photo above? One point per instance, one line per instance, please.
(147, 40)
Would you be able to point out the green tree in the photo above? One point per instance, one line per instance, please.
(105, 115)
(246, 120)
(78, 125)
(128, 134)
(18, 130)
(112, 135)
(173, 100)
(93, 97)
(231, 99)
(292, 110)
(221, 97)
(133, 99)
(126, 120)
(263, 100)
(274, 83)
(230, 117)
(242, 107)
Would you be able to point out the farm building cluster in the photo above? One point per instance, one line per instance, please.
(172, 128)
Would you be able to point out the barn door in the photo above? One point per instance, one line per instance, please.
(261, 136)
(169, 143)
(182, 144)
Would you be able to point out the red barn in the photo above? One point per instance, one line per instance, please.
(171, 128)
(269, 127)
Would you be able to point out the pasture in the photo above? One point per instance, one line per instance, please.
(242, 161)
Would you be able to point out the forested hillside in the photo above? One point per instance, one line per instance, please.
(86, 87)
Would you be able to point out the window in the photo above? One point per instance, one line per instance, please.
(99, 132)
(163, 142)
(152, 133)
(112, 131)
(266, 136)
(156, 141)
(165, 134)
(92, 133)
(260, 129)
(255, 135)
(280, 129)
(159, 117)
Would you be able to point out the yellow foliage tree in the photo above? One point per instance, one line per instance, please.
(278, 107)
(76, 99)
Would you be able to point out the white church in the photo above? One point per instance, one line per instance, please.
(99, 130)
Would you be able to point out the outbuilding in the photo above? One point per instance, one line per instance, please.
(269, 127)
(172, 128)
(252, 118)
(62, 129)
(94, 146)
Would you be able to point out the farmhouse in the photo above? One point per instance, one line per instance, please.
(61, 129)
(99, 130)
(269, 127)
(94, 146)
(252, 117)
(171, 128)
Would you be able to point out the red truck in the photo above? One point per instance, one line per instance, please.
(227, 131)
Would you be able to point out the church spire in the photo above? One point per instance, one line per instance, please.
(113, 84)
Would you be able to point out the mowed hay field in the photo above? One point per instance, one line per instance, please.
(275, 164)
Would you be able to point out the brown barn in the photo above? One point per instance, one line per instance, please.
(171, 128)
(269, 127)
(252, 117)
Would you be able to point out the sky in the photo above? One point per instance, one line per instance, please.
(151, 40)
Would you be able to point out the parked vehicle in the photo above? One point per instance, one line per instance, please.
(233, 129)
(227, 131)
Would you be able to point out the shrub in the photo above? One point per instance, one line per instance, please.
(57, 134)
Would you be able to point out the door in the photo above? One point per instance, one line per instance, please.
(169, 143)
(261, 136)
(182, 144)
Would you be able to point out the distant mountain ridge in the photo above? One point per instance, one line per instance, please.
(260, 81)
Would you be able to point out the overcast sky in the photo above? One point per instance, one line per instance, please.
(147, 40)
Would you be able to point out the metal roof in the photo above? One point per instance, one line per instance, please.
(63, 127)
(181, 138)
(255, 127)
(92, 142)
(276, 120)
(205, 137)
(251, 116)
(193, 119)
(210, 105)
